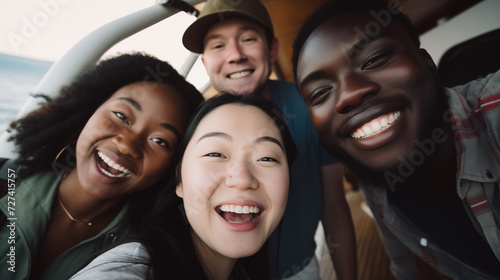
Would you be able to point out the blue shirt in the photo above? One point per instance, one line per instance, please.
(304, 207)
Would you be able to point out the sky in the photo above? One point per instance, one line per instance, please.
(47, 29)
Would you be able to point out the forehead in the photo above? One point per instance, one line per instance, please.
(232, 26)
(143, 92)
(238, 119)
(158, 100)
(342, 34)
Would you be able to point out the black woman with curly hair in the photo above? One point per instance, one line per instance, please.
(91, 162)
(229, 195)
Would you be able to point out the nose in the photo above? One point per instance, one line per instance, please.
(241, 176)
(128, 144)
(353, 88)
(235, 53)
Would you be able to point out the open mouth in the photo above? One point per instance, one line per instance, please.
(238, 214)
(240, 74)
(111, 168)
(376, 125)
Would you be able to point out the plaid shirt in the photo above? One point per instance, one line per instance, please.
(475, 115)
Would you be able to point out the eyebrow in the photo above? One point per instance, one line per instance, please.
(137, 106)
(132, 102)
(215, 134)
(270, 139)
(362, 43)
(228, 137)
(311, 77)
(356, 47)
(241, 29)
(171, 128)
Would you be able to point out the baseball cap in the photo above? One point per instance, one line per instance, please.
(216, 11)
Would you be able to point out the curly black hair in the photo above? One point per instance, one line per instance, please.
(40, 135)
(335, 7)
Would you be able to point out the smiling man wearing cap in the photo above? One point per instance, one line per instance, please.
(238, 45)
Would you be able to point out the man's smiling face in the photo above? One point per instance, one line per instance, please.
(369, 97)
(237, 56)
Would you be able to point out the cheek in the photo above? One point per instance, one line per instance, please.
(88, 136)
(199, 182)
(261, 56)
(96, 129)
(409, 80)
(212, 62)
(157, 166)
(277, 190)
(195, 200)
(321, 118)
(407, 74)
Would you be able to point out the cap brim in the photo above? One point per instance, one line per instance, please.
(194, 36)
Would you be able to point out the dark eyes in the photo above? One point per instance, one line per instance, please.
(216, 46)
(248, 39)
(268, 159)
(372, 62)
(161, 142)
(215, 155)
(122, 117)
(219, 155)
(376, 60)
(319, 95)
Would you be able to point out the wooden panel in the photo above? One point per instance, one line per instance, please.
(287, 17)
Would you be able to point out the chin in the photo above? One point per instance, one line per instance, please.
(241, 246)
(243, 92)
(243, 252)
(246, 90)
(367, 175)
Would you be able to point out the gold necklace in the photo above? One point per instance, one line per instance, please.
(69, 215)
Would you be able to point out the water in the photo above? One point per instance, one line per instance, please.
(18, 79)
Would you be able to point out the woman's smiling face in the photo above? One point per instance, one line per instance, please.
(129, 142)
(234, 180)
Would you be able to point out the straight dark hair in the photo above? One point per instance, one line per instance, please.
(167, 233)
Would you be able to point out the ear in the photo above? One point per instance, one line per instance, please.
(428, 59)
(430, 64)
(273, 51)
(179, 190)
(203, 60)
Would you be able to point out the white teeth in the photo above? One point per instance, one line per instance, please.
(384, 122)
(239, 209)
(376, 126)
(124, 171)
(391, 118)
(367, 130)
(239, 74)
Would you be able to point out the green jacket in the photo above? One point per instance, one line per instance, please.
(22, 232)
